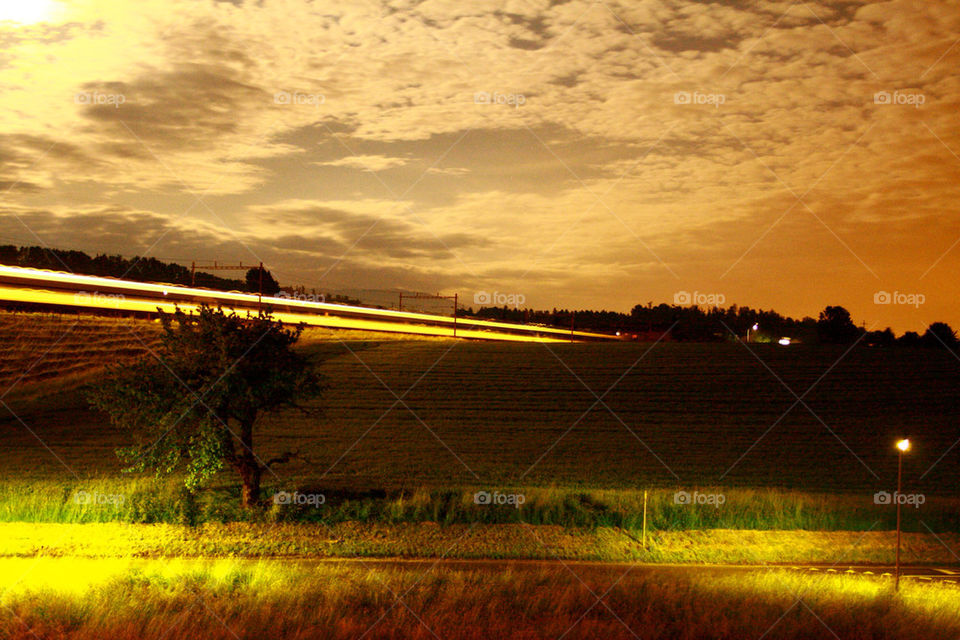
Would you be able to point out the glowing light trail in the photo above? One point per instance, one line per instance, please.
(39, 286)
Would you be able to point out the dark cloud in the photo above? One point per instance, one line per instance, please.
(374, 236)
(193, 105)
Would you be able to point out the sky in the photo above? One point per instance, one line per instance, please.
(595, 154)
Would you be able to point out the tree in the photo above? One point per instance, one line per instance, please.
(270, 286)
(938, 336)
(909, 339)
(195, 405)
(835, 326)
(883, 338)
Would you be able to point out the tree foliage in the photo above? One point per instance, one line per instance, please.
(270, 287)
(193, 407)
(141, 268)
(939, 335)
(835, 326)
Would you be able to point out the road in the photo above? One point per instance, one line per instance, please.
(944, 574)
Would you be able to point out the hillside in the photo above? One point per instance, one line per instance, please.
(442, 414)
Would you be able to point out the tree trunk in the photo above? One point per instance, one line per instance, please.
(250, 475)
(249, 466)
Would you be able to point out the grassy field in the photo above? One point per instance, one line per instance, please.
(413, 428)
(62, 348)
(240, 599)
(679, 415)
(446, 414)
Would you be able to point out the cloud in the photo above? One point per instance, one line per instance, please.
(376, 230)
(448, 171)
(600, 186)
(366, 162)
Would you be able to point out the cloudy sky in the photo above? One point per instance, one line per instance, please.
(783, 155)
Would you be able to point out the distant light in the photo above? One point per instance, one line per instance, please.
(904, 445)
(756, 325)
(618, 333)
(164, 292)
(784, 341)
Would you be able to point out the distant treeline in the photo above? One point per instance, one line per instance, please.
(714, 324)
(139, 269)
(153, 270)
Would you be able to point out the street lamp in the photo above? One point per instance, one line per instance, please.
(756, 325)
(902, 447)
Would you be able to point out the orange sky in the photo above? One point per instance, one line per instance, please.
(577, 154)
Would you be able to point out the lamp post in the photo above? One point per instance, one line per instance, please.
(756, 325)
(902, 447)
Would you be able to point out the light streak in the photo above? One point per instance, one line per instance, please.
(39, 286)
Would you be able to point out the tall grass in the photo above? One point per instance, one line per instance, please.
(121, 599)
(147, 501)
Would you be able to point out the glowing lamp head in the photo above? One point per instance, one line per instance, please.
(755, 326)
(903, 445)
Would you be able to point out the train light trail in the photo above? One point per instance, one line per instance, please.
(55, 288)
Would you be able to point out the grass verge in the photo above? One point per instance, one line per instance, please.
(429, 540)
(145, 501)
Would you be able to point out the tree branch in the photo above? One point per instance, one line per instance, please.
(286, 456)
